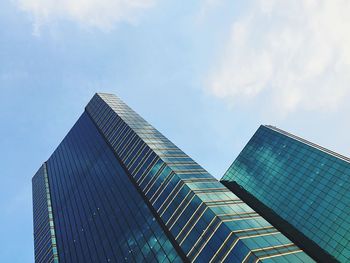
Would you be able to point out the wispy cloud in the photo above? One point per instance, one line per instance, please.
(206, 7)
(101, 14)
(296, 51)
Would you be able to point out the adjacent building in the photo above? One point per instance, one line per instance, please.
(301, 188)
(117, 190)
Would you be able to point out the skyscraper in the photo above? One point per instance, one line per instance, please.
(117, 190)
(301, 188)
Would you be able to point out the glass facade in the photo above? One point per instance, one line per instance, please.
(45, 249)
(102, 217)
(124, 193)
(306, 185)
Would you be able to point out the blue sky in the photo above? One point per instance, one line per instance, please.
(205, 73)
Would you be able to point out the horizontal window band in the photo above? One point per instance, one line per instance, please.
(169, 178)
(280, 254)
(270, 252)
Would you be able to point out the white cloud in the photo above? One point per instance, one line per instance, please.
(102, 14)
(207, 6)
(296, 52)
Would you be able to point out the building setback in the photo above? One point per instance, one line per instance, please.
(301, 188)
(117, 190)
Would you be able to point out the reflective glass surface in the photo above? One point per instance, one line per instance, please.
(45, 249)
(209, 223)
(122, 192)
(100, 216)
(305, 184)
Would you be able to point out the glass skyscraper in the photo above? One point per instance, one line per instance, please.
(301, 188)
(117, 190)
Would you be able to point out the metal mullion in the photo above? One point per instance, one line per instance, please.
(94, 106)
(190, 162)
(235, 241)
(87, 192)
(262, 234)
(218, 204)
(73, 162)
(124, 132)
(116, 134)
(164, 183)
(106, 122)
(238, 214)
(222, 247)
(145, 174)
(196, 218)
(68, 225)
(149, 166)
(179, 207)
(129, 147)
(154, 179)
(172, 194)
(155, 214)
(125, 147)
(199, 180)
(194, 171)
(50, 213)
(97, 169)
(113, 124)
(177, 213)
(131, 159)
(118, 185)
(172, 174)
(121, 132)
(89, 156)
(130, 151)
(147, 155)
(194, 249)
(108, 205)
(172, 155)
(280, 254)
(251, 253)
(100, 113)
(62, 187)
(211, 190)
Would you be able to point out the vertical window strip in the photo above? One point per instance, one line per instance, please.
(51, 222)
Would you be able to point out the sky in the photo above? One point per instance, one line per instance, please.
(206, 73)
